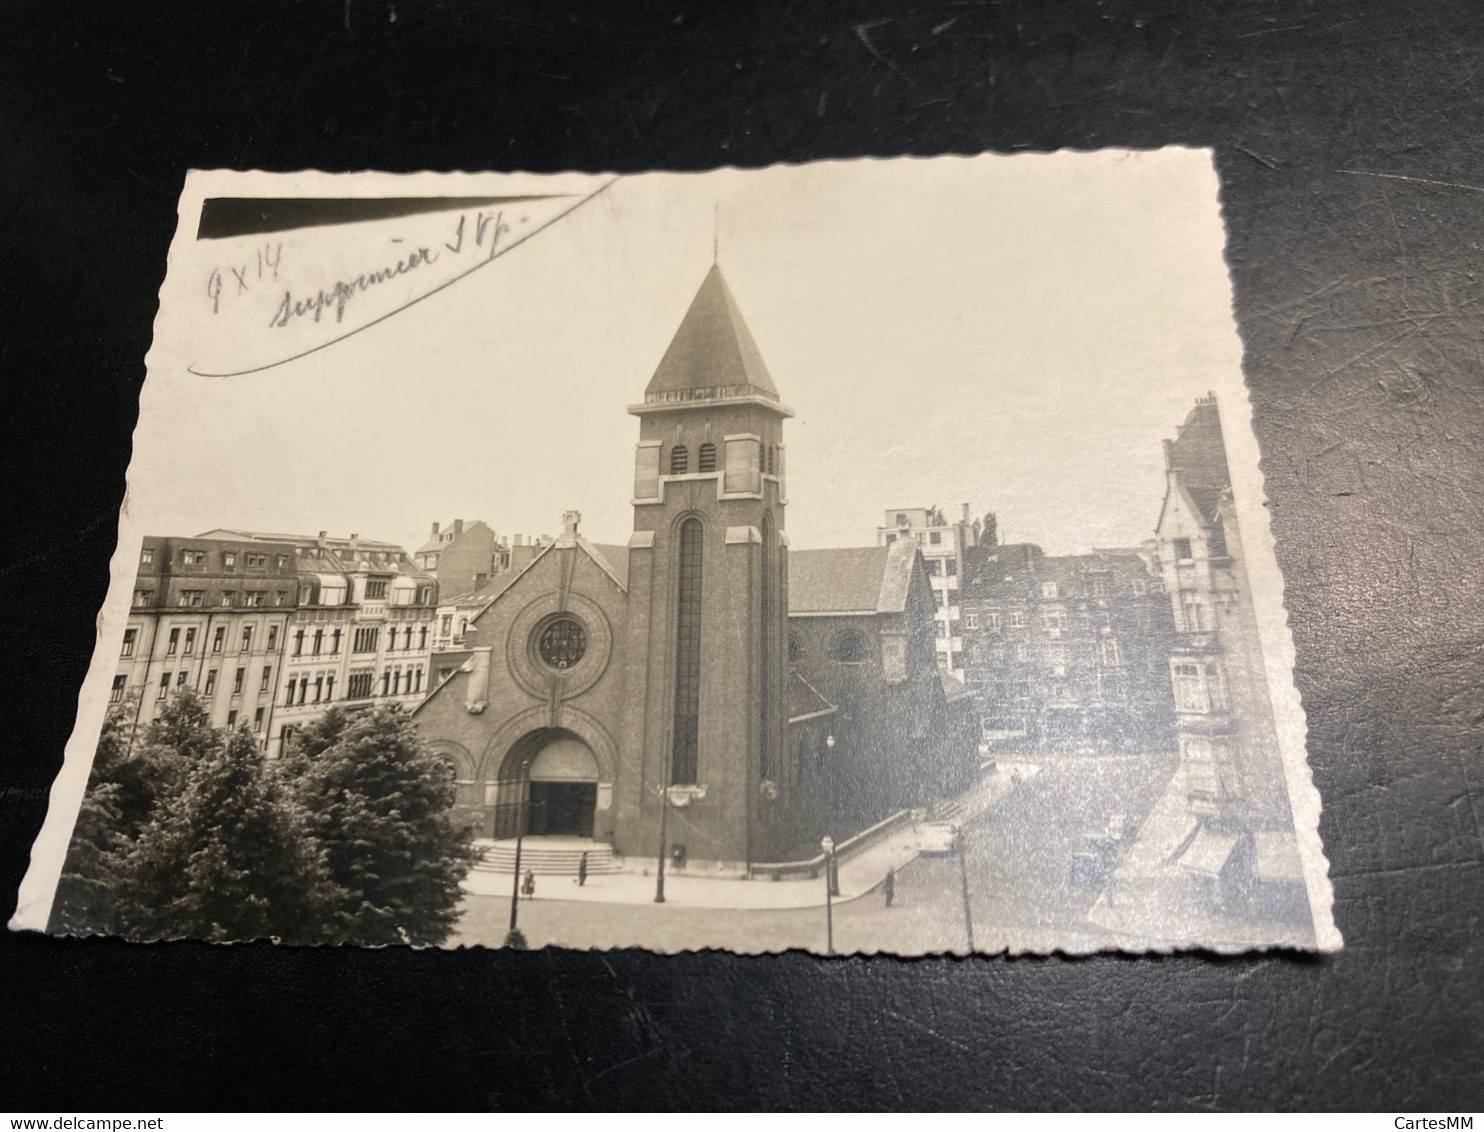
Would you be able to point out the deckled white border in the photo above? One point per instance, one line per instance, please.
(1264, 579)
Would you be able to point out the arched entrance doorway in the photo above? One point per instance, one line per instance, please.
(548, 786)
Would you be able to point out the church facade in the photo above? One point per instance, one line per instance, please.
(645, 693)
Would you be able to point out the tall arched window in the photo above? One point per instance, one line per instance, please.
(686, 741)
(768, 639)
(679, 460)
(706, 458)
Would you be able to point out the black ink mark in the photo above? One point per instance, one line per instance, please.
(494, 255)
(225, 217)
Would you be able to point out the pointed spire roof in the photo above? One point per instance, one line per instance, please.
(711, 352)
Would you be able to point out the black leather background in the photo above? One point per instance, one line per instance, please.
(1359, 300)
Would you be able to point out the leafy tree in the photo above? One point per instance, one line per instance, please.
(134, 775)
(230, 858)
(380, 804)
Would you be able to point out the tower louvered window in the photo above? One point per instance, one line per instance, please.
(679, 460)
(686, 743)
(706, 458)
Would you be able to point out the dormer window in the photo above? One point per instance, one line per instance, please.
(706, 461)
(679, 460)
(1181, 547)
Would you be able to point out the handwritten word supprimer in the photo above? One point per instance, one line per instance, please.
(345, 289)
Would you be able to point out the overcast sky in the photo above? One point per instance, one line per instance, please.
(1016, 333)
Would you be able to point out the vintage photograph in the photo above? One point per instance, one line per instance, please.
(856, 557)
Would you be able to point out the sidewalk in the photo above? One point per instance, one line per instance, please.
(860, 874)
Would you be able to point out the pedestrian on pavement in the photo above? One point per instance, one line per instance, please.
(582, 870)
(528, 886)
(889, 886)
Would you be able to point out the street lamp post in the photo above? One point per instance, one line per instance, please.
(659, 882)
(963, 876)
(513, 937)
(828, 845)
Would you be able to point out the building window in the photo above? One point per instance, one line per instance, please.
(192, 599)
(1097, 585)
(174, 643)
(288, 700)
(386, 679)
(190, 641)
(1193, 612)
(130, 636)
(211, 681)
(319, 688)
(232, 718)
(335, 642)
(142, 598)
(219, 639)
(366, 638)
(1055, 621)
(272, 637)
(1049, 589)
(685, 752)
(257, 720)
(562, 643)
(795, 651)
(445, 625)
(164, 686)
(935, 538)
(298, 642)
(1181, 547)
(971, 620)
(375, 589)
(267, 678)
(147, 556)
(360, 685)
(901, 519)
(422, 638)
(1017, 619)
(254, 598)
(228, 597)
(283, 561)
(1111, 654)
(229, 559)
(237, 681)
(116, 693)
(992, 620)
(193, 558)
(850, 646)
(256, 559)
(319, 640)
(679, 460)
(706, 458)
(330, 687)
(246, 639)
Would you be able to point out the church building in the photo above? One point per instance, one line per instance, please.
(612, 692)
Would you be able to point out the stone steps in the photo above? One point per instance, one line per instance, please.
(547, 860)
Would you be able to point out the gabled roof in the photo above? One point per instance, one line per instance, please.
(616, 558)
(805, 700)
(713, 346)
(857, 579)
(841, 580)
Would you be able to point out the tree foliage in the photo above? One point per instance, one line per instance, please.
(186, 831)
(230, 859)
(380, 803)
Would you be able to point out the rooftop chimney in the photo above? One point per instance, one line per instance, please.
(458, 527)
(435, 530)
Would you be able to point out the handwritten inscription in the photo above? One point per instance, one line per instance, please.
(483, 235)
(346, 298)
(269, 256)
(345, 289)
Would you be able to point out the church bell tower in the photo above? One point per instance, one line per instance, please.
(708, 601)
